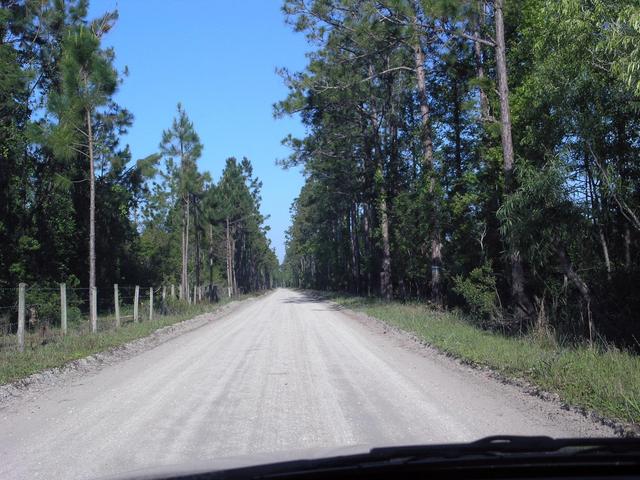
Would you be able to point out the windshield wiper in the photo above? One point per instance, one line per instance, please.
(516, 455)
(510, 444)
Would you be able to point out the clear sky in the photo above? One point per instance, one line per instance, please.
(218, 58)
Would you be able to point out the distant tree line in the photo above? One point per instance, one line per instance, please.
(478, 153)
(74, 206)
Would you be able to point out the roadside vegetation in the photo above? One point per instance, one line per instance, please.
(480, 155)
(601, 378)
(76, 207)
(60, 350)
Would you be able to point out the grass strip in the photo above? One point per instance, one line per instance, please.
(603, 379)
(15, 365)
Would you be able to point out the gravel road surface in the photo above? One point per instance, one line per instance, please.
(282, 373)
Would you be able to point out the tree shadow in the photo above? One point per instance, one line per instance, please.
(313, 297)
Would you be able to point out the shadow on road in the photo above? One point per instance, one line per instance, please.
(307, 296)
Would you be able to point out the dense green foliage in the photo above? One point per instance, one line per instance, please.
(411, 188)
(58, 117)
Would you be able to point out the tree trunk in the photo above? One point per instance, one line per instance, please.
(605, 251)
(301, 277)
(92, 227)
(596, 210)
(429, 171)
(580, 284)
(355, 248)
(211, 257)
(198, 239)
(519, 298)
(485, 114)
(182, 292)
(457, 130)
(367, 244)
(503, 91)
(184, 280)
(228, 251)
(627, 246)
(234, 282)
(385, 272)
(623, 154)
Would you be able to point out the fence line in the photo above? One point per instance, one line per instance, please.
(33, 315)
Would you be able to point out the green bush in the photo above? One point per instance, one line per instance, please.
(43, 299)
(480, 293)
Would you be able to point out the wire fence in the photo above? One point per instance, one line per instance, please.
(33, 316)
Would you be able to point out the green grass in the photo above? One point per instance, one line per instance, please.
(605, 380)
(15, 365)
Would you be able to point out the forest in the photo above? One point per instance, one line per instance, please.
(75, 207)
(475, 154)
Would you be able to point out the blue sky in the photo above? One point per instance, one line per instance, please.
(218, 58)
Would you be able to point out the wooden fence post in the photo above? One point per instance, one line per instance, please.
(195, 289)
(63, 308)
(116, 304)
(21, 315)
(150, 303)
(163, 307)
(94, 310)
(136, 297)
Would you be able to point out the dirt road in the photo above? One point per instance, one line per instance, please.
(281, 373)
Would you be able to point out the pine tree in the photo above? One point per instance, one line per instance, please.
(88, 81)
(181, 148)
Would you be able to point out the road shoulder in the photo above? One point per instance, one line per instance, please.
(37, 383)
(413, 343)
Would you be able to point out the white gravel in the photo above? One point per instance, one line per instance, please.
(281, 373)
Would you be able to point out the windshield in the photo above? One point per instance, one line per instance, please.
(289, 229)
